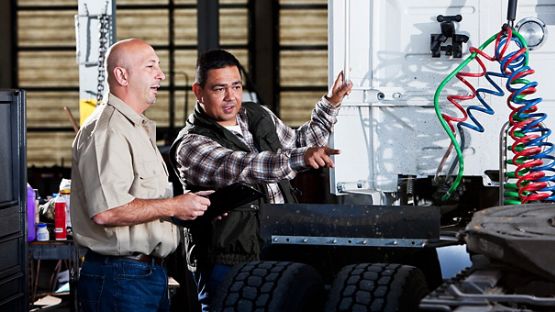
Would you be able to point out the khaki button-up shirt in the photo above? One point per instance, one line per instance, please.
(115, 160)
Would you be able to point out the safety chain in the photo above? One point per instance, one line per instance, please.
(104, 22)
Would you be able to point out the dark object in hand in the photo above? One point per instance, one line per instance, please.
(224, 200)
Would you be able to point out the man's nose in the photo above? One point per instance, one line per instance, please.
(161, 75)
(228, 93)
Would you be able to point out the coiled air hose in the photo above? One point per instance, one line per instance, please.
(532, 153)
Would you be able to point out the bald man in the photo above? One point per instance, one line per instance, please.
(120, 191)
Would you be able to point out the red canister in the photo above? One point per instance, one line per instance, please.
(60, 230)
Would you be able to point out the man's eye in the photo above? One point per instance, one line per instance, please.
(219, 89)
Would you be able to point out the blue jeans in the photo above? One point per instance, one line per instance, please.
(119, 284)
(208, 282)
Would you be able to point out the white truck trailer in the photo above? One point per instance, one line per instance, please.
(429, 138)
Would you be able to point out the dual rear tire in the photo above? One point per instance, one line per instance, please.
(377, 287)
(271, 286)
(288, 286)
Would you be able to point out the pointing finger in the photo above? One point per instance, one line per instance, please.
(332, 151)
(204, 193)
(339, 80)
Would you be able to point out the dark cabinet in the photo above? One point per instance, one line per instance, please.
(13, 180)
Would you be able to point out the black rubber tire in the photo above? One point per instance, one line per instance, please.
(377, 287)
(270, 286)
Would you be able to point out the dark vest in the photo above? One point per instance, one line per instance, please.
(236, 238)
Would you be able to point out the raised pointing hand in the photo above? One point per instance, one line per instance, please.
(339, 90)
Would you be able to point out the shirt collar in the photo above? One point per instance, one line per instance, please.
(127, 111)
(242, 112)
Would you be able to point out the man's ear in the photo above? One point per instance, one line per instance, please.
(121, 76)
(197, 90)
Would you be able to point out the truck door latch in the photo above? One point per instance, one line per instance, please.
(448, 31)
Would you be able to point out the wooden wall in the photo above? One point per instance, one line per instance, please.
(57, 68)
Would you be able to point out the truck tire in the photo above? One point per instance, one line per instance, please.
(377, 287)
(270, 286)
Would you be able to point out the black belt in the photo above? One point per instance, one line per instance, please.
(140, 257)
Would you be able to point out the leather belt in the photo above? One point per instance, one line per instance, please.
(145, 258)
(140, 257)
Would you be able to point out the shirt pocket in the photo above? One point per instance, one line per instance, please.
(149, 181)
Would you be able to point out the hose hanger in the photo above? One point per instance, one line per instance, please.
(447, 25)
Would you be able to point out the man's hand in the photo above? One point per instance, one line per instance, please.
(190, 206)
(319, 157)
(339, 90)
(206, 193)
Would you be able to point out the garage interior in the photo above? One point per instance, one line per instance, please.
(390, 203)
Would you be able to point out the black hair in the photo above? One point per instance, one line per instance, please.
(213, 59)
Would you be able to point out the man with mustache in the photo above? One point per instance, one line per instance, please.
(227, 141)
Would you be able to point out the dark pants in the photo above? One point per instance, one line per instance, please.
(108, 283)
(208, 282)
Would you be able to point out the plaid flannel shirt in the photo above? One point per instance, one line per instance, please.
(204, 162)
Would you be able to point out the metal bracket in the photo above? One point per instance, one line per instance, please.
(448, 31)
(348, 241)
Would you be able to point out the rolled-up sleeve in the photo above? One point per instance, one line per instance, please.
(206, 163)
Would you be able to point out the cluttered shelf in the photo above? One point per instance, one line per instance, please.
(60, 272)
(54, 258)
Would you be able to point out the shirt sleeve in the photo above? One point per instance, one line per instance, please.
(314, 132)
(106, 167)
(206, 163)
